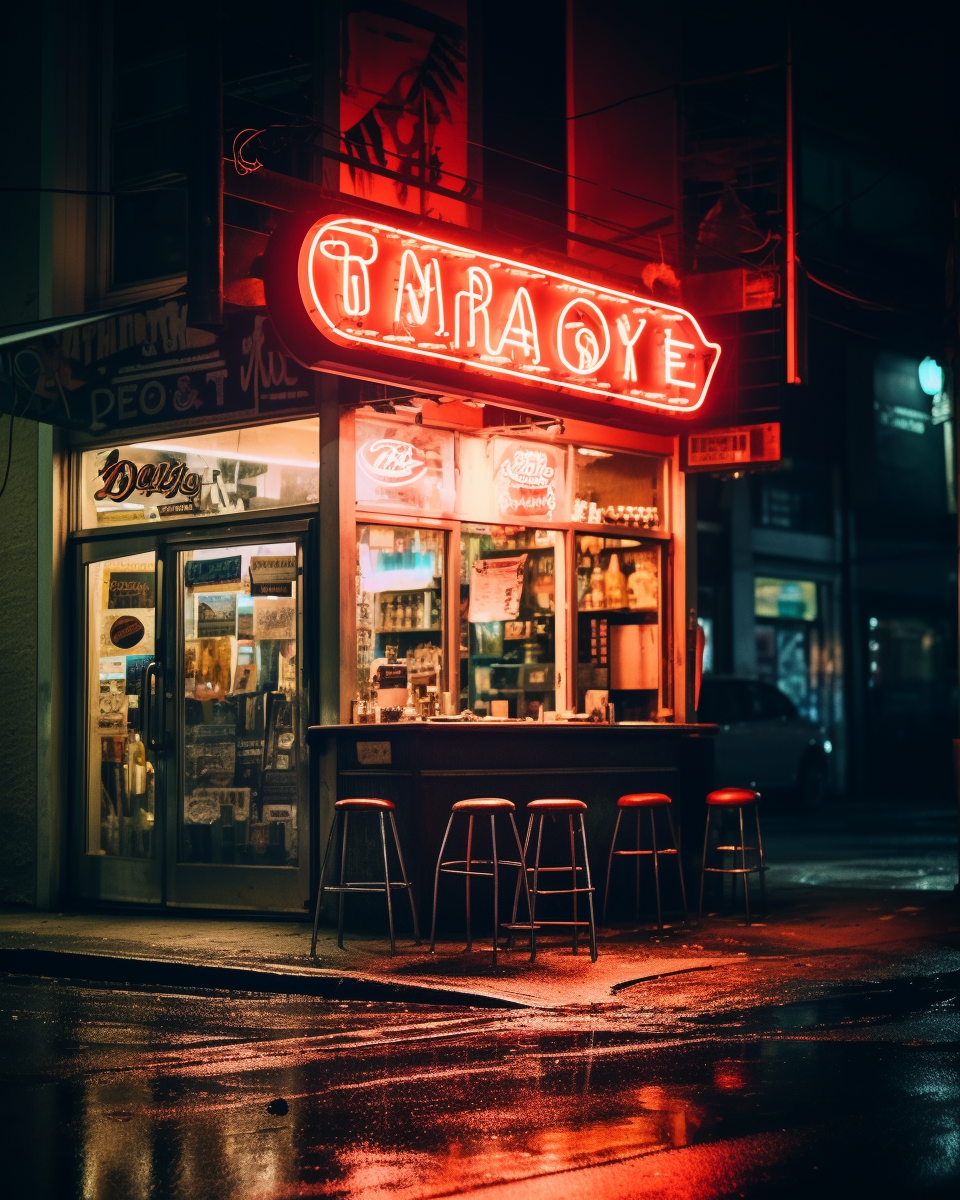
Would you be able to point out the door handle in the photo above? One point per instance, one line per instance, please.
(149, 677)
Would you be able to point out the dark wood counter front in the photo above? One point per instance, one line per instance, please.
(425, 767)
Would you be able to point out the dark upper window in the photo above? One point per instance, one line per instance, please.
(148, 143)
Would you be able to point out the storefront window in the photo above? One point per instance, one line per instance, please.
(509, 588)
(400, 622)
(224, 471)
(619, 621)
(241, 733)
(121, 780)
(611, 488)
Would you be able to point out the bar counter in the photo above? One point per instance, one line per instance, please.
(425, 767)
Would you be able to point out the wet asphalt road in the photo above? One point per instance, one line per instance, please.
(123, 1094)
(832, 1069)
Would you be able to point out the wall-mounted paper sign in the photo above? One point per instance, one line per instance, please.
(274, 619)
(496, 585)
(199, 571)
(126, 632)
(272, 575)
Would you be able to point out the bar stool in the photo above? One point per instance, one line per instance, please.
(479, 807)
(346, 807)
(559, 807)
(728, 800)
(652, 802)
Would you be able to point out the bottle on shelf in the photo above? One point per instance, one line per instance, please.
(408, 613)
(615, 584)
(419, 613)
(597, 595)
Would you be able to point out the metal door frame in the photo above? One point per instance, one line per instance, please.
(167, 542)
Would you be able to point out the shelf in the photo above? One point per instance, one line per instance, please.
(617, 612)
(417, 629)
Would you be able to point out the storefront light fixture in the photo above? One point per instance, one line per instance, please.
(931, 376)
(589, 452)
(273, 460)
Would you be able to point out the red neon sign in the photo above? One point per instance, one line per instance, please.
(403, 303)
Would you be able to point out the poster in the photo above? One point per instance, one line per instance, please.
(126, 632)
(403, 105)
(200, 571)
(272, 575)
(496, 585)
(274, 619)
(217, 614)
(131, 589)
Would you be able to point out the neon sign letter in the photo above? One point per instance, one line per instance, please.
(429, 285)
(367, 288)
(672, 361)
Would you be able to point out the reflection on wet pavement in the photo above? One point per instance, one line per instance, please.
(115, 1094)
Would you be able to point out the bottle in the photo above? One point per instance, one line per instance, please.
(597, 596)
(418, 615)
(583, 582)
(408, 613)
(615, 584)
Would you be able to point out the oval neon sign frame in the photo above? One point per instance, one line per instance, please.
(393, 294)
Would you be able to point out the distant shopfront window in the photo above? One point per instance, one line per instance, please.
(794, 599)
(225, 471)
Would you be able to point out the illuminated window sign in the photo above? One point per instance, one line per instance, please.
(399, 297)
(785, 598)
(404, 467)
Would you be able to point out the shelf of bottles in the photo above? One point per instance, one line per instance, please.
(510, 662)
(618, 624)
(400, 618)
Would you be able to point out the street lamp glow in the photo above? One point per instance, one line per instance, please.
(931, 376)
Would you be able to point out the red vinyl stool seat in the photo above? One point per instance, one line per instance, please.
(734, 800)
(382, 808)
(643, 800)
(652, 802)
(485, 804)
(556, 805)
(733, 796)
(481, 806)
(573, 810)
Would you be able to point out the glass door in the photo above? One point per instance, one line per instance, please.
(119, 715)
(238, 719)
(191, 719)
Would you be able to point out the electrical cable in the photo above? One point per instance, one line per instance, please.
(6, 473)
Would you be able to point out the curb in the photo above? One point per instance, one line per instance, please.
(174, 973)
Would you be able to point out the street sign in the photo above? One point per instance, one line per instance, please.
(741, 445)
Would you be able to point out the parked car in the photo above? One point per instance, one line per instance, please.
(763, 741)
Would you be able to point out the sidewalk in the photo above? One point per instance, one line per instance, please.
(842, 907)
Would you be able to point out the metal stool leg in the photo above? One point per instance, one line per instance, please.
(469, 852)
(573, 885)
(436, 885)
(637, 906)
(386, 884)
(496, 887)
(703, 864)
(763, 873)
(516, 894)
(323, 868)
(743, 864)
(656, 868)
(586, 867)
(343, 867)
(406, 882)
(522, 851)
(613, 846)
(683, 886)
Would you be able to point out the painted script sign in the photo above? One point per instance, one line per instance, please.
(404, 305)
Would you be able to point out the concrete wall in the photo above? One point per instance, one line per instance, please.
(18, 665)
